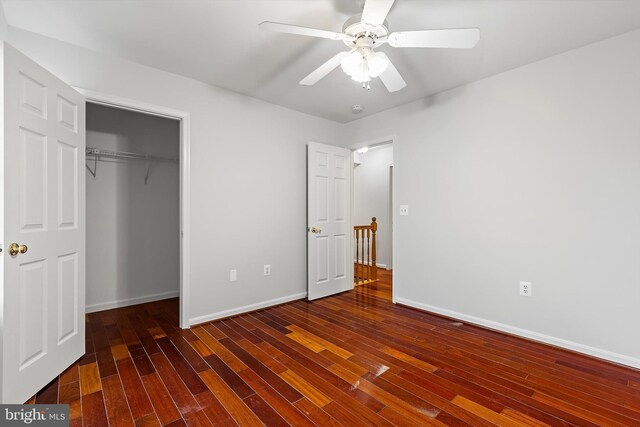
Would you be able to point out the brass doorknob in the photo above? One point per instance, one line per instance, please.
(315, 230)
(15, 249)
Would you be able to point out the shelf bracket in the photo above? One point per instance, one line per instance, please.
(95, 166)
(146, 176)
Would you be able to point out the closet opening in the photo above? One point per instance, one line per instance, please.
(133, 209)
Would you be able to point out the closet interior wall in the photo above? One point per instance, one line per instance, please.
(132, 227)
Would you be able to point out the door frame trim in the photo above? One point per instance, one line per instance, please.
(185, 179)
(393, 141)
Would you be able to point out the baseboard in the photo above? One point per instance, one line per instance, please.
(535, 336)
(92, 308)
(245, 308)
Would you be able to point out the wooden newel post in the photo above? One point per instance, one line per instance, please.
(374, 269)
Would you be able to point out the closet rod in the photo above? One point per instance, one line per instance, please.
(99, 154)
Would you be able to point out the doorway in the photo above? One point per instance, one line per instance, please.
(373, 204)
(132, 202)
(137, 174)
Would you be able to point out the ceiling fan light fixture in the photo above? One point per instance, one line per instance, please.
(365, 32)
(377, 63)
(362, 68)
(361, 74)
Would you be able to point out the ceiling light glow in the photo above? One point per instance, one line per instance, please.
(361, 68)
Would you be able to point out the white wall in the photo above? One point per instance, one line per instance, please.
(132, 228)
(372, 198)
(533, 175)
(248, 174)
(4, 28)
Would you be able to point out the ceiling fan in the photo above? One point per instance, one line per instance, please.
(367, 31)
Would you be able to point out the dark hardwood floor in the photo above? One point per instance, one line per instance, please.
(350, 359)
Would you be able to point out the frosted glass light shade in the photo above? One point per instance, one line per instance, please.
(351, 63)
(361, 68)
(377, 64)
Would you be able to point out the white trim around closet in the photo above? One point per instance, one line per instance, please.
(185, 185)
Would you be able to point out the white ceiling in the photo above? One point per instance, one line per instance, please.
(219, 42)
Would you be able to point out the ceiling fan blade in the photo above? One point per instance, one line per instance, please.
(304, 31)
(391, 78)
(462, 38)
(324, 69)
(376, 11)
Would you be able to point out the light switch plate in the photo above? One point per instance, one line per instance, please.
(233, 275)
(404, 210)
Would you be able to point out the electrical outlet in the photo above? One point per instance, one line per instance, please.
(267, 269)
(404, 210)
(526, 289)
(233, 275)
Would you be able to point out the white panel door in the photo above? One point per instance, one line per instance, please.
(330, 259)
(43, 287)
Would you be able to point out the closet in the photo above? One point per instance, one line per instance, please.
(132, 186)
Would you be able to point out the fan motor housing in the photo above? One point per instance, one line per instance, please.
(356, 28)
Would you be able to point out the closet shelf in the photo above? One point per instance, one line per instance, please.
(99, 154)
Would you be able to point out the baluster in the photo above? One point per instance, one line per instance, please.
(355, 271)
(358, 256)
(368, 270)
(362, 254)
(374, 229)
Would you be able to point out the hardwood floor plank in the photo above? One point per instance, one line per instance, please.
(49, 394)
(147, 341)
(182, 367)
(275, 399)
(115, 402)
(229, 376)
(69, 393)
(305, 388)
(134, 390)
(315, 414)
(232, 403)
(89, 379)
(142, 362)
(186, 350)
(487, 414)
(352, 399)
(320, 341)
(106, 364)
(179, 392)
(201, 348)
(265, 412)
(120, 351)
(218, 349)
(290, 393)
(522, 418)
(197, 419)
(149, 420)
(214, 410)
(595, 418)
(93, 412)
(70, 375)
(162, 402)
